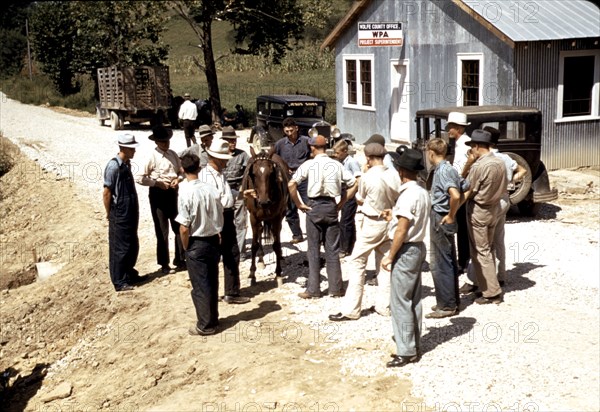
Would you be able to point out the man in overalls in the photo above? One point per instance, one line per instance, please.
(122, 211)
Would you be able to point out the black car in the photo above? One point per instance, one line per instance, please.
(520, 137)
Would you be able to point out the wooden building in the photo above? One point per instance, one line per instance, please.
(395, 57)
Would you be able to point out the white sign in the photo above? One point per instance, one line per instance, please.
(372, 34)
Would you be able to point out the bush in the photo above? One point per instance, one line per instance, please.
(8, 154)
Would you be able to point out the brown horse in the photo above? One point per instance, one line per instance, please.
(267, 176)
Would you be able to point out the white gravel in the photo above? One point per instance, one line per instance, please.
(538, 351)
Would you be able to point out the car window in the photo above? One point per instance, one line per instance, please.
(262, 108)
(511, 130)
(277, 109)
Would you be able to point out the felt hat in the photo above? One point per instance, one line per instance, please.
(229, 133)
(376, 138)
(480, 136)
(161, 134)
(219, 148)
(205, 130)
(127, 140)
(410, 159)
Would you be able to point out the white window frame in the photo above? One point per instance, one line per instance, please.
(459, 59)
(595, 112)
(359, 104)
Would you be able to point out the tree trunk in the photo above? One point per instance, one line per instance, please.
(211, 71)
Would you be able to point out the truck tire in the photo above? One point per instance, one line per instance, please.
(523, 187)
(99, 117)
(116, 121)
(528, 207)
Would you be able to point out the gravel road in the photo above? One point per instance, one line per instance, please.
(538, 351)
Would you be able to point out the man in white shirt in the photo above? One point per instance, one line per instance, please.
(212, 174)
(409, 222)
(201, 220)
(378, 189)
(162, 173)
(188, 112)
(325, 177)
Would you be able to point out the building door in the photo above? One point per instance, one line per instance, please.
(400, 114)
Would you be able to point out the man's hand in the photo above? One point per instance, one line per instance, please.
(161, 185)
(174, 183)
(250, 194)
(304, 208)
(386, 263)
(386, 214)
(447, 220)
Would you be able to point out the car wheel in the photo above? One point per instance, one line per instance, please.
(521, 189)
(116, 121)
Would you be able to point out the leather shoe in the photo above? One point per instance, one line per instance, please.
(296, 240)
(338, 317)
(441, 313)
(399, 361)
(167, 270)
(235, 299)
(468, 288)
(124, 287)
(337, 295)
(196, 331)
(306, 295)
(486, 301)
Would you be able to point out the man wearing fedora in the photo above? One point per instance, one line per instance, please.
(162, 173)
(123, 213)
(409, 221)
(206, 138)
(487, 185)
(455, 126)
(234, 172)
(188, 112)
(325, 177)
(212, 174)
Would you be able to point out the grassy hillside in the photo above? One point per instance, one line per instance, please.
(242, 78)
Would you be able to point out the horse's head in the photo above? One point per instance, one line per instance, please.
(267, 177)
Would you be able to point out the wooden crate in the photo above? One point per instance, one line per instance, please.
(134, 88)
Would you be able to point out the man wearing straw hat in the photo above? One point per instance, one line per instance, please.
(123, 213)
(212, 174)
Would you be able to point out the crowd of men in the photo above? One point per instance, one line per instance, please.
(383, 206)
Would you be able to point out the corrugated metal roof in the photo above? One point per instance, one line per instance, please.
(540, 20)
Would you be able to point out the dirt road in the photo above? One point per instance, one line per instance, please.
(73, 339)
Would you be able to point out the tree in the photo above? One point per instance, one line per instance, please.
(13, 43)
(262, 27)
(73, 38)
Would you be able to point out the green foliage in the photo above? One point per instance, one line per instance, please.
(8, 155)
(13, 48)
(73, 38)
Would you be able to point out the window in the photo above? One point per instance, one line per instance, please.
(358, 81)
(579, 85)
(470, 78)
(509, 130)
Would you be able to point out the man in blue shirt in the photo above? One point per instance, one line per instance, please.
(294, 151)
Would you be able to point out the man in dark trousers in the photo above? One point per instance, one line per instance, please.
(122, 211)
(162, 173)
(212, 174)
(325, 177)
(188, 112)
(294, 151)
(201, 220)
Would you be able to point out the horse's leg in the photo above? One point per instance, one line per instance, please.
(260, 252)
(277, 249)
(256, 231)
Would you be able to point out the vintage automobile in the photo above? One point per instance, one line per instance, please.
(520, 137)
(307, 111)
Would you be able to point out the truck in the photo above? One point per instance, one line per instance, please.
(134, 94)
